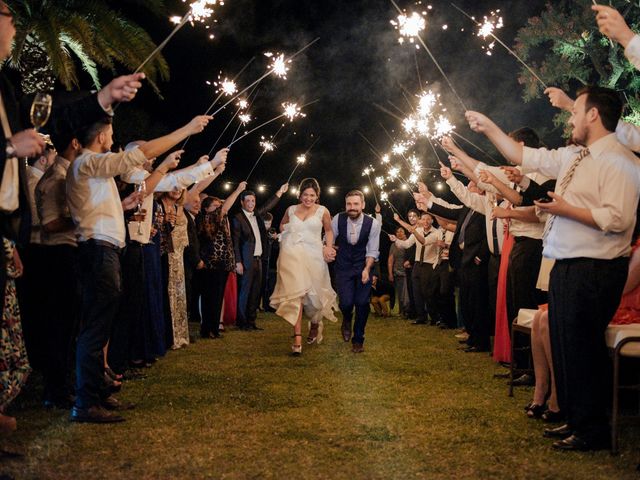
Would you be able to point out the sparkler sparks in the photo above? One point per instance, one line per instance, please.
(244, 118)
(301, 159)
(278, 65)
(443, 127)
(409, 26)
(385, 159)
(426, 102)
(201, 9)
(399, 148)
(243, 104)
(266, 145)
(393, 173)
(380, 181)
(226, 86)
(292, 111)
(490, 24)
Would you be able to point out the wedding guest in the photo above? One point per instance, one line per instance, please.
(397, 273)
(269, 260)
(14, 364)
(95, 207)
(249, 237)
(593, 213)
(217, 253)
(381, 293)
(193, 263)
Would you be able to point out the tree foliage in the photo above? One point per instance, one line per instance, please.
(89, 32)
(563, 45)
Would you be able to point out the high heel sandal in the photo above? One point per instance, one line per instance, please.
(313, 333)
(535, 410)
(296, 350)
(550, 416)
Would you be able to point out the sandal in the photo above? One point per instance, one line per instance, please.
(296, 350)
(313, 333)
(113, 375)
(535, 410)
(552, 417)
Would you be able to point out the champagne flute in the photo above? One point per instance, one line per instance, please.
(40, 110)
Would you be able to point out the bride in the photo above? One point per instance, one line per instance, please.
(303, 281)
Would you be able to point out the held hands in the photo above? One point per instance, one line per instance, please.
(239, 268)
(445, 172)
(612, 24)
(27, 143)
(120, 89)
(170, 218)
(220, 158)
(197, 124)
(559, 99)
(329, 253)
(406, 264)
(513, 174)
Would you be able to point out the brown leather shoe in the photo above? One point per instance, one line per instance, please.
(112, 403)
(95, 414)
(357, 348)
(346, 332)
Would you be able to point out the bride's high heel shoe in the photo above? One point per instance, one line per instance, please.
(315, 333)
(296, 350)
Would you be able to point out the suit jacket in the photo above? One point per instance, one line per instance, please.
(536, 191)
(192, 252)
(244, 242)
(475, 237)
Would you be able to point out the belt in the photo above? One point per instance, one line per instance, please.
(524, 239)
(257, 256)
(103, 243)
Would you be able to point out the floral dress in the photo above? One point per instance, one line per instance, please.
(176, 283)
(14, 364)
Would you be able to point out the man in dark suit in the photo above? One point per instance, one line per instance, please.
(192, 262)
(249, 236)
(469, 255)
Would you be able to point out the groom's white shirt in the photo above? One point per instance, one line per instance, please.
(354, 227)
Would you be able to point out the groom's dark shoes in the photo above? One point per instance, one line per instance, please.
(346, 331)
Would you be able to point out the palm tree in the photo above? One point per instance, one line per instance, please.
(63, 32)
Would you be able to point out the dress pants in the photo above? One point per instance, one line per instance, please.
(423, 291)
(353, 293)
(101, 290)
(445, 301)
(522, 276)
(60, 271)
(402, 295)
(584, 294)
(214, 281)
(193, 290)
(249, 294)
(411, 311)
(492, 274)
(474, 300)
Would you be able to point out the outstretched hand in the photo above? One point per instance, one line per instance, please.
(197, 124)
(612, 24)
(559, 99)
(477, 121)
(120, 89)
(445, 172)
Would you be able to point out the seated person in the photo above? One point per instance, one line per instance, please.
(381, 294)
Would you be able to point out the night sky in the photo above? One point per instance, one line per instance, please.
(357, 62)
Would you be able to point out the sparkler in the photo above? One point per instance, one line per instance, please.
(487, 30)
(494, 22)
(267, 146)
(412, 31)
(302, 159)
(199, 11)
(367, 171)
(291, 111)
(279, 64)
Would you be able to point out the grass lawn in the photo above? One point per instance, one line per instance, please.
(411, 406)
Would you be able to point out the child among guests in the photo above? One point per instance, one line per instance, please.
(381, 294)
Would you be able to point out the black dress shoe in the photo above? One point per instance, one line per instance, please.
(94, 414)
(575, 443)
(419, 322)
(254, 327)
(562, 431)
(525, 380)
(346, 332)
(112, 403)
(357, 348)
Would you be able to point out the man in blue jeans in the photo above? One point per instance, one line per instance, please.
(357, 242)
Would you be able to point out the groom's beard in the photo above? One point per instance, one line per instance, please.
(354, 213)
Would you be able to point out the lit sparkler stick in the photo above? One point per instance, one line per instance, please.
(489, 31)
(367, 171)
(301, 159)
(476, 147)
(413, 30)
(267, 146)
(199, 11)
(291, 112)
(269, 72)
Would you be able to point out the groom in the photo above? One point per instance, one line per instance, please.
(357, 239)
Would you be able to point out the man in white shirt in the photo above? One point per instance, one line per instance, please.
(592, 216)
(95, 207)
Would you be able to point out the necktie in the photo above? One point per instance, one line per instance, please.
(463, 228)
(421, 253)
(566, 180)
(494, 234)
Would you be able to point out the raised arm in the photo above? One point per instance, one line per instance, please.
(231, 199)
(158, 146)
(507, 146)
(450, 146)
(408, 227)
(273, 201)
(507, 192)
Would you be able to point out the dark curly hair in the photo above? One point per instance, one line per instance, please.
(311, 183)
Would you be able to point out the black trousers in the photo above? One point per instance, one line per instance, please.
(584, 294)
(474, 303)
(249, 294)
(443, 280)
(213, 284)
(493, 271)
(60, 301)
(100, 279)
(193, 289)
(411, 311)
(522, 275)
(132, 308)
(423, 290)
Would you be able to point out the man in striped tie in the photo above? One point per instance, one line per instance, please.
(592, 216)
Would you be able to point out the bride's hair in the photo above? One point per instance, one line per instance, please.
(311, 183)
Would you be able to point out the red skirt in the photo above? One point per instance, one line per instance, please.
(230, 300)
(502, 340)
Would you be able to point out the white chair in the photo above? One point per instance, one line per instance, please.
(623, 341)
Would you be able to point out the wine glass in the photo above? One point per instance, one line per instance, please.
(40, 109)
(141, 188)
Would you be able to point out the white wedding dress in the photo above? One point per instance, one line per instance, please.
(303, 275)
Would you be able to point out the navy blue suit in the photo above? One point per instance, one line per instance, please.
(350, 262)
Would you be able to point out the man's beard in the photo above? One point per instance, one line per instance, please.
(353, 213)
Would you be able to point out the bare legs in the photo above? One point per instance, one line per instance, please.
(542, 362)
(296, 348)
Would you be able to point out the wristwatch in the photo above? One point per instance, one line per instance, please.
(10, 150)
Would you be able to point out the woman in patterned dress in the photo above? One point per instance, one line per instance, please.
(14, 364)
(216, 251)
